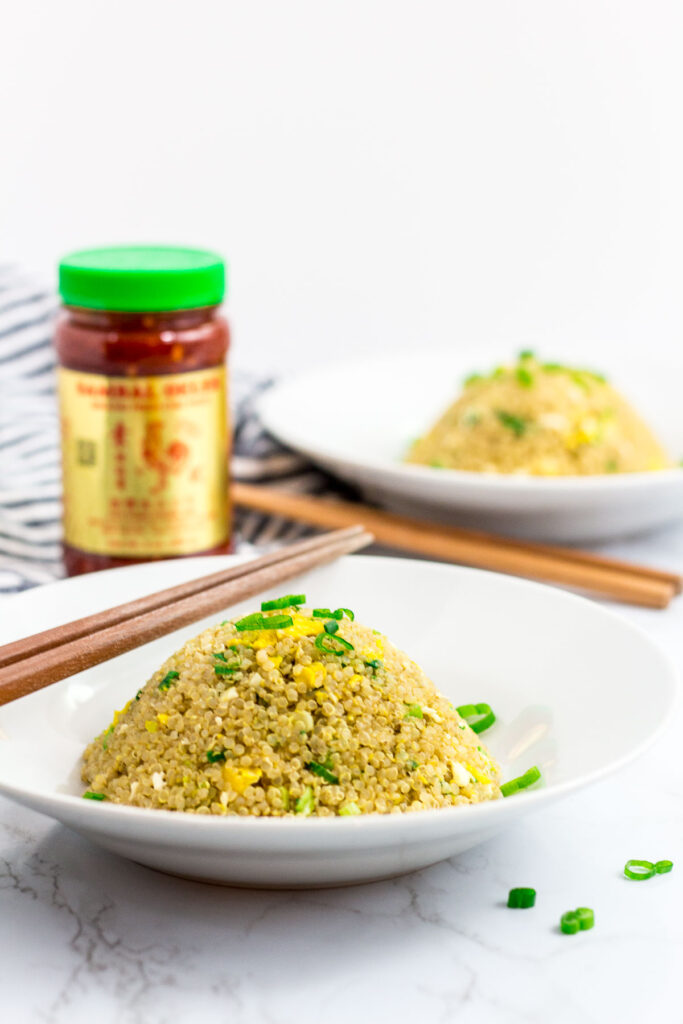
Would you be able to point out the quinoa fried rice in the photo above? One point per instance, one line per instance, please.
(540, 419)
(321, 717)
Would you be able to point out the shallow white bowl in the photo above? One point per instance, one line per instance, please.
(357, 421)
(577, 690)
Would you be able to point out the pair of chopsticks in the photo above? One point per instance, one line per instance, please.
(36, 661)
(606, 577)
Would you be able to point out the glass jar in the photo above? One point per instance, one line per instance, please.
(141, 349)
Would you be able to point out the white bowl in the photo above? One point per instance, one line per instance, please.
(577, 691)
(357, 420)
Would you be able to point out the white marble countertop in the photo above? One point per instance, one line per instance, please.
(85, 936)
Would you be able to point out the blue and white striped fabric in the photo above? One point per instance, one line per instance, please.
(30, 479)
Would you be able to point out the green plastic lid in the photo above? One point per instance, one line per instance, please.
(142, 278)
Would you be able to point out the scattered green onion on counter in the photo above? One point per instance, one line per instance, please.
(521, 899)
(639, 870)
(580, 920)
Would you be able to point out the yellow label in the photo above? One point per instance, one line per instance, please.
(145, 462)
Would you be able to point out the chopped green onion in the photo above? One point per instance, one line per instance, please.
(89, 795)
(580, 920)
(323, 641)
(514, 423)
(220, 655)
(478, 716)
(569, 923)
(345, 611)
(212, 756)
(663, 867)
(521, 782)
(521, 898)
(527, 353)
(374, 663)
(414, 711)
(325, 613)
(411, 766)
(254, 620)
(331, 627)
(225, 670)
(639, 870)
(138, 694)
(524, 377)
(322, 771)
(284, 796)
(169, 679)
(224, 622)
(586, 918)
(258, 621)
(348, 809)
(306, 802)
(283, 602)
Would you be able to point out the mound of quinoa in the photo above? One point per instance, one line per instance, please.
(268, 722)
(540, 419)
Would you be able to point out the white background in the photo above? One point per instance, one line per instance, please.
(379, 175)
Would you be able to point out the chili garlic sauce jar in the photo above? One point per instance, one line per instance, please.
(142, 349)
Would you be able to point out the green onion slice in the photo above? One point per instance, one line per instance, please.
(478, 716)
(569, 923)
(345, 611)
(325, 613)
(306, 802)
(514, 423)
(288, 601)
(639, 870)
(331, 627)
(521, 782)
(322, 771)
(586, 918)
(663, 867)
(324, 640)
(521, 898)
(89, 795)
(259, 621)
(169, 679)
(374, 663)
(349, 809)
(212, 756)
(414, 711)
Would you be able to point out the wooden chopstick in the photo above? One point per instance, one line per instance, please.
(35, 671)
(50, 638)
(620, 581)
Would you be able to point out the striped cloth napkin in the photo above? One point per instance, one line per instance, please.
(30, 480)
